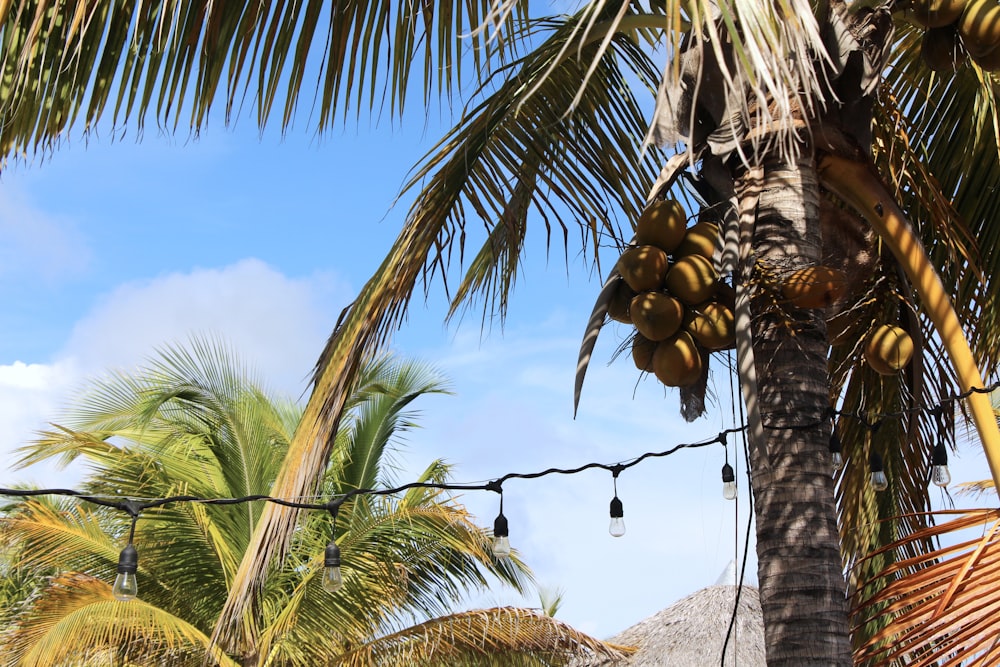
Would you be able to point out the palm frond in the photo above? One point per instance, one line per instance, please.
(78, 619)
(516, 637)
(940, 605)
(64, 64)
(470, 165)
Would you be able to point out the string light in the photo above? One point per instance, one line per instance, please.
(617, 525)
(940, 474)
(835, 449)
(333, 579)
(729, 489)
(877, 478)
(126, 585)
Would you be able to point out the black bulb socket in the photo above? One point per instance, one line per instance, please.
(617, 511)
(500, 526)
(875, 462)
(727, 474)
(128, 560)
(940, 457)
(835, 446)
(332, 555)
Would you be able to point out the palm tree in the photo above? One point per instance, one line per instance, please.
(808, 129)
(194, 423)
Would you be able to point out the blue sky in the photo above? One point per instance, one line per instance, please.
(110, 249)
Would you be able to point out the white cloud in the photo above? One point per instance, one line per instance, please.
(38, 243)
(277, 324)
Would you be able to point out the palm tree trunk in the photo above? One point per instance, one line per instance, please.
(802, 586)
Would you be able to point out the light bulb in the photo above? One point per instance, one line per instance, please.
(728, 482)
(333, 579)
(836, 457)
(617, 525)
(940, 474)
(126, 587)
(877, 479)
(501, 542)
(501, 546)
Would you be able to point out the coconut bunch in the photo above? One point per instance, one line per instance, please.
(671, 293)
(888, 348)
(957, 29)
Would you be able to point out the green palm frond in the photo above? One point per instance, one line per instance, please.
(383, 416)
(945, 127)
(64, 64)
(516, 637)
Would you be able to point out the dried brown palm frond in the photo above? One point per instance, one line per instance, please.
(940, 605)
(513, 637)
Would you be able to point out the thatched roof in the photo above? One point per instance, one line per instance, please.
(691, 633)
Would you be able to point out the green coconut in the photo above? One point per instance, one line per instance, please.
(942, 49)
(712, 325)
(642, 352)
(692, 279)
(656, 315)
(700, 239)
(979, 27)
(620, 300)
(677, 361)
(888, 349)
(815, 287)
(936, 13)
(643, 267)
(662, 224)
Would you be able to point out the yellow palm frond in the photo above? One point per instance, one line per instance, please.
(77, 618)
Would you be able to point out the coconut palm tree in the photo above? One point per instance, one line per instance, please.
(811, 131)
(194, 423)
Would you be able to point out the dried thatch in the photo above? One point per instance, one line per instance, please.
(691, 633)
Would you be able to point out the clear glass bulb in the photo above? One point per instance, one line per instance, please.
(501, 546)
(617, 526)
(125, 587)
(879, 481)
(836, 460)
(729, 490)
(333, 579)
(940, 475)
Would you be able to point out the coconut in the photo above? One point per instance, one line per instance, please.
(936, 13)
(888, 349)
(712, 325)
(980, 27)
(643, 267)
(642, 352)
(656, 315)
(692, 279)
(815, 287)
(989, 62)
(700, 239)
(662, 224)
(942, 49)
(677, 361)
(620, 299)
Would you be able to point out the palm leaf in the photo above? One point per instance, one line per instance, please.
(67, 63)
(945, 609)
(77, 618)
(496, 139)
(516, 637)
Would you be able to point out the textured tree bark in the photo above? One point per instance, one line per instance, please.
(802, 586)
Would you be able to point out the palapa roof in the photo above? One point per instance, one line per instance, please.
(692, 632)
